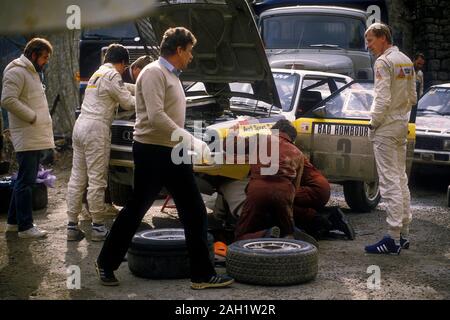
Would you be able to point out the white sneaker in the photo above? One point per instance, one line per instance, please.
(99, 232)
(33, 233)
(12, 228)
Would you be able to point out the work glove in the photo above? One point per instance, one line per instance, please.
(202, 153)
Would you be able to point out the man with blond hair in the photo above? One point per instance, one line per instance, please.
(395, 94)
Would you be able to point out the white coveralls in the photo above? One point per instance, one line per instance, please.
(395, 93)
(91, 141)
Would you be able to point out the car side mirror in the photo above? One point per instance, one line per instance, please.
(320, 112)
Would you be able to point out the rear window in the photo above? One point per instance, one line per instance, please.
(121, 31)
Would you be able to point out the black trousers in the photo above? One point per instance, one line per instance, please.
(154, 169)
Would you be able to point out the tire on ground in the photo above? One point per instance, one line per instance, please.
(361, 196)
(39, 195)
(161, 254)
(272, 261)
(120, 193)
(448, 196)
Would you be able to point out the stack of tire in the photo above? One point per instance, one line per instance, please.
(161, 254)
(448, 196)
(272, 262)
(39, 195)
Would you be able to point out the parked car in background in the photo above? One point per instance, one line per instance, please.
(319, 38)
(433, 128)
(432, 151)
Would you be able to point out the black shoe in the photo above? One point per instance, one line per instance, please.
(273, 232)
(107, 277)
(217, 281)
(303, 236)
(341, 223)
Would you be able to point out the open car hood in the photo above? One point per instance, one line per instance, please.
(229, 47)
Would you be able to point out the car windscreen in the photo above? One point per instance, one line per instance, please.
(121, 31)
(300, 31)
(353, 101)
(435, 101)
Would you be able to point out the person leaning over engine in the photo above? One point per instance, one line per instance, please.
(91, 142)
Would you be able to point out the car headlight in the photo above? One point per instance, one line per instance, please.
(446, 145)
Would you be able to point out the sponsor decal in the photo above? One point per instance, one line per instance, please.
(403, 71)
(341, 130)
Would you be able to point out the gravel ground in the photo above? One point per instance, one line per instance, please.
(38, 269)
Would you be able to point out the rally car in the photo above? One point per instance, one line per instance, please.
(232, 86)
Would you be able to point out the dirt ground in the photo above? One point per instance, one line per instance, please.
(38, 269)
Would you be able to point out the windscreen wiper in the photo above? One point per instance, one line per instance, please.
(326, 45)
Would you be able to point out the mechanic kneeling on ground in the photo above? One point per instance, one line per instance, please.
(310, 212)
(267, 210)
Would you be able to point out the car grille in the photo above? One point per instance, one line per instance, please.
(122, 135)
(429, 143)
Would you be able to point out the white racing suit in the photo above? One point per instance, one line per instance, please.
(91, 141)
(395, 93)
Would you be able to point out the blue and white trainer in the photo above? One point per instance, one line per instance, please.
(386, 245)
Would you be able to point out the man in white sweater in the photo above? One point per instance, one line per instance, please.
(160, 110)
(31, 129)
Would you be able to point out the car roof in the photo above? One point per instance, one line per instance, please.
(317, 9)
(311, 73)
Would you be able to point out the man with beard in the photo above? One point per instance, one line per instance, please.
(31, 129)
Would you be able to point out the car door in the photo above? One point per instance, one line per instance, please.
(335, 134)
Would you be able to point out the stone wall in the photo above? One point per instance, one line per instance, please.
(424, 26)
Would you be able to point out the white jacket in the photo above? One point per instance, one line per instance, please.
(104, 92)
(395, 94)
(24, 97)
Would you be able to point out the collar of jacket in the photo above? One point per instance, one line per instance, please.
(389, 50)
(169, 66)
(24, 62)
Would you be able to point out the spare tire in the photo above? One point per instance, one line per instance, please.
(38, 190)
(448, 196)
(5, 194)
(162, 254)
(272, 261)
(40, 196)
